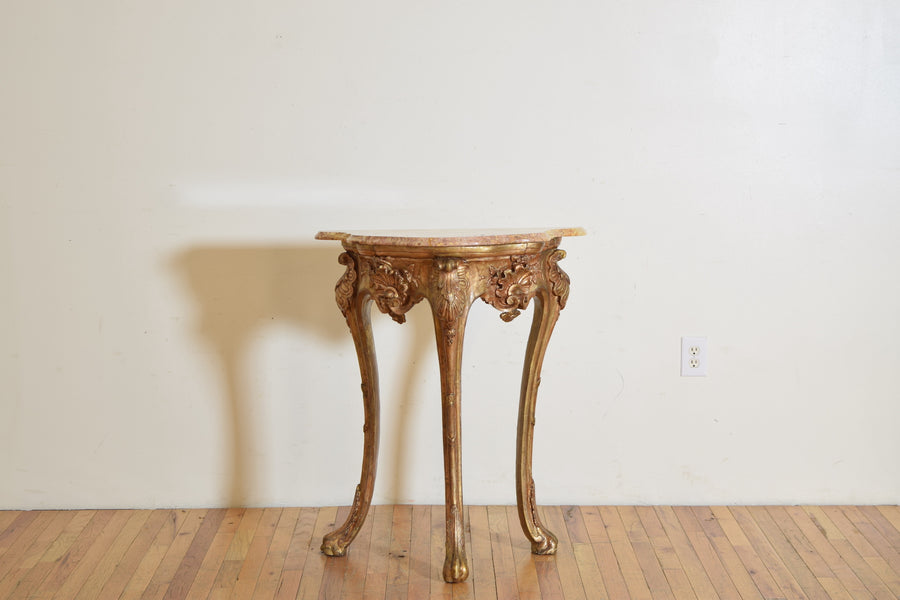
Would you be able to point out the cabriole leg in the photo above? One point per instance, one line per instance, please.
(357, 309)
(546, 311)
(449, 333)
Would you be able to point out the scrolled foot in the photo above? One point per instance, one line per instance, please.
(455, 568)
(545, 543)
(335, 544)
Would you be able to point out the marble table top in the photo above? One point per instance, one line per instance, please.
(437, 238)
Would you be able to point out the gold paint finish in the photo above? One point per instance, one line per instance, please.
(508, 270)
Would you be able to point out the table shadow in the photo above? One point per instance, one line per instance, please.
(239, 289)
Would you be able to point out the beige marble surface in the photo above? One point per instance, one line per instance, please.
(437, 238)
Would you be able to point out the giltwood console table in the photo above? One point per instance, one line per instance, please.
(451, 269)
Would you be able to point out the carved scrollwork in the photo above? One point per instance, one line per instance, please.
(559, 281)
(344, 289)
(450, 287)
(510, 289)
(392, 288)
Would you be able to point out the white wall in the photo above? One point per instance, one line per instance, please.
(167, 328)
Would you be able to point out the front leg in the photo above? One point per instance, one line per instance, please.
(450, 301)
(355, 303)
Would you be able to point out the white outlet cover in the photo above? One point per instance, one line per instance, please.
(694, 356)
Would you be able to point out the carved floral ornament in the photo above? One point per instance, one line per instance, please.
(396, 286)
(391, 288)
(512, 288)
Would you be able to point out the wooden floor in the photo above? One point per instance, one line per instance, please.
(622, 552)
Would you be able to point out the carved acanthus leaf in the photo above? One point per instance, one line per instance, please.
(344, 289)
(450, 287)
(510, 289)
(559, 281)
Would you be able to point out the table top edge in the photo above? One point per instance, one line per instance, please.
(443, 237)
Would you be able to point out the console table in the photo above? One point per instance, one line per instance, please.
(451, 269)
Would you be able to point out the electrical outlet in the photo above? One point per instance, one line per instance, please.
(694, 358)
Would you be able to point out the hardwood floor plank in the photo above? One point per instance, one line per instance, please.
(175, 552)
(56, 527)
(706, 553)
(71, 533)
(273, 564)
(209, 568)
(766, 553)
(398, 556)
(18, 544)
(849, 554)
(799, 571)
(19, 524)
(481, 562)
(92, 556)
(727, 555)
(646, 556)
(585, 560)
(357, 561)
(377, 568)
(314, 567)
(868, 529)
(892, 514)
(189, 564)
(638, 587)
(256, 553)
(575, 527)
(465, 590)
(566, 564)
(501, 554)
(165, 536)
(613, 579)
(684, 553)
(104, 569)
(865, 549)
(243, 535)
(420, 553)
(302, 543)
(231, 564)
(808, 554)
(6, 519)
(18, 576)
(115, 584)
(53, 554)
(64, 568)
(225, 580)
(665, 552)
(335, 568)
(439, 589)
(526, 571)
(823, 548)
(687, 554)
(751, 561)
(546, 567)
(548, 578)
(890, 533)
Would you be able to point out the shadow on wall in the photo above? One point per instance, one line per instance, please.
(239, 289)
